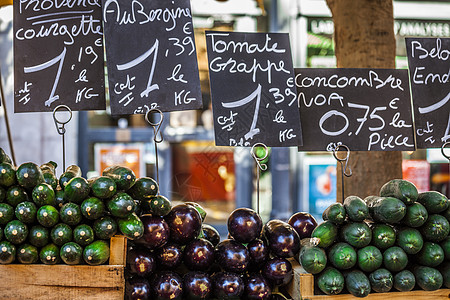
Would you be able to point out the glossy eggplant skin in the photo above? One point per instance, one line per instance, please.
(227, 285)
(185, 223)
(232, 256)
(197, 285)
(244, 225)
(303, 223)
(156, 232)
(166, 285)
(140, 261)
(259, 254)
(169, 256)
(137, 288)
(278, 271)
(199, 255)
(211, 234)
(282, 239)
(257, 287)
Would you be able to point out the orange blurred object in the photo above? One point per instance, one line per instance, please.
(6, 2)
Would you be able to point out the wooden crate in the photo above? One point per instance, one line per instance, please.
(67, 282)
(302, 287)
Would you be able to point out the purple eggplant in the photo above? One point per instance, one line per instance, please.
(244, 225)
(303, 223)
(259, 253)
(167, 285)
(184, 222)
(156, 232)
(232, 256)
(140, 261)
(211, 234)
(199, 255)
(257, 287)
(227, 285)
(169, 256)
(278, 271)
(197, 285)
(137, 288)
(283, 240)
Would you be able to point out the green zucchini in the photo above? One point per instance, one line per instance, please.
(39, 236)
(96, 253)
(7, 252)
(335, 213)
(404, 281)
(16, 232)
(124, 177)
(410, 240)
(105, 228)
(446, 213)
(43, 194)
(357, 283)
(102, 187)
(6, 213)
(435, 229)
(312, 259)
(326, 232)
(131, 226)
(445, 272)
(431, 255)
(401, 189)
(433, 201)
(61, 233)
(331, 281)
(383, 236)
(15, 195)
(445, 244)
(4, 157)
(83, 234)
(356, 208)
(71, 214)
(143, 188)
(48, 171)
(395, 259)
(357, 234)
(387, 210)
(71, 172)
(342, 256)
(381, 280)
(26, 212)
(59, 198)
(370, 258)
(76, 190)
(49, 254)
(92, 208)
(160, 206)
(29, 175)
(71, 253)
(27, 254)
(429, 279)
(47, 216)
(416, 215)
(2, 194)
(7, 174)
(121, 205)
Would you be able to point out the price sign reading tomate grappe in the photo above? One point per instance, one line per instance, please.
(429, 71)
(58, 55)
(151, 56)
(364, 109)
(253, 93)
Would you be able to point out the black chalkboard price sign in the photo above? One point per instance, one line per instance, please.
(151, 56)
(58, 55)
(364, 109)
(429, 71)
(254, 98)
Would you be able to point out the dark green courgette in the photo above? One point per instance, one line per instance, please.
(410, 240)
(7, 174)
(433, 201)
(401, 189)
(59, 198)
(404, 281)
(39, 236)
(26, 212)
(96, 253)
(43, 194)
(105, 228)
(326, 232)
(83, 234)
(6, 213)
(102, 187)
(395, 259)
(381, 280)
(416, 215)
(70, 214)
(342, 256)
(331, 281)
(7, 252)
(370, 258)
(49, 254)
(431, 255)
(312, 259)
(76, 190)
(356, 208)
(61, 233)
(143, 188)
(4, 157)
(357, 283)
(47, 216)
(121, 205)
(71, 172)
(92, 208)
(16, 232)
(29, 175)
(131, 226)
(445, 272)
(383, 236)
(27, 254)
(15, 195)
(435, 229)
(387, 210)
(429, 279)
(124, 177)
(445, 244)
(48, 171)
(335, 213)
(160, 206)
(357, 234)
(71, 253)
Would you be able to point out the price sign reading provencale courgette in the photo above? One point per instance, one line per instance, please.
(58, 55)
(364, 109)
(253, 94)
(429, 71)
(151, 56)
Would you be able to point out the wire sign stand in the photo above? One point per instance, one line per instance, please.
(156, 130)
(61, 129)
(259, 167)
(345, 168)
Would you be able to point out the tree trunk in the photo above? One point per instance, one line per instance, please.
(364, 38)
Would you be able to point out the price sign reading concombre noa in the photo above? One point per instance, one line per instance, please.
(429, 71)
(151, 56)
(253, 93)
(364, 109)
(58, 55)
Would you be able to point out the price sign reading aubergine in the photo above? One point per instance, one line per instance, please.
(364, 109)
(429, 71)
(151, 56)
(254, 98)
(58, 55)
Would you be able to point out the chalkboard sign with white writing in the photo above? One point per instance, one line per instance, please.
(429, 71)
(151, 56)
(253, 94)
(58, 55)
(364, 109)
